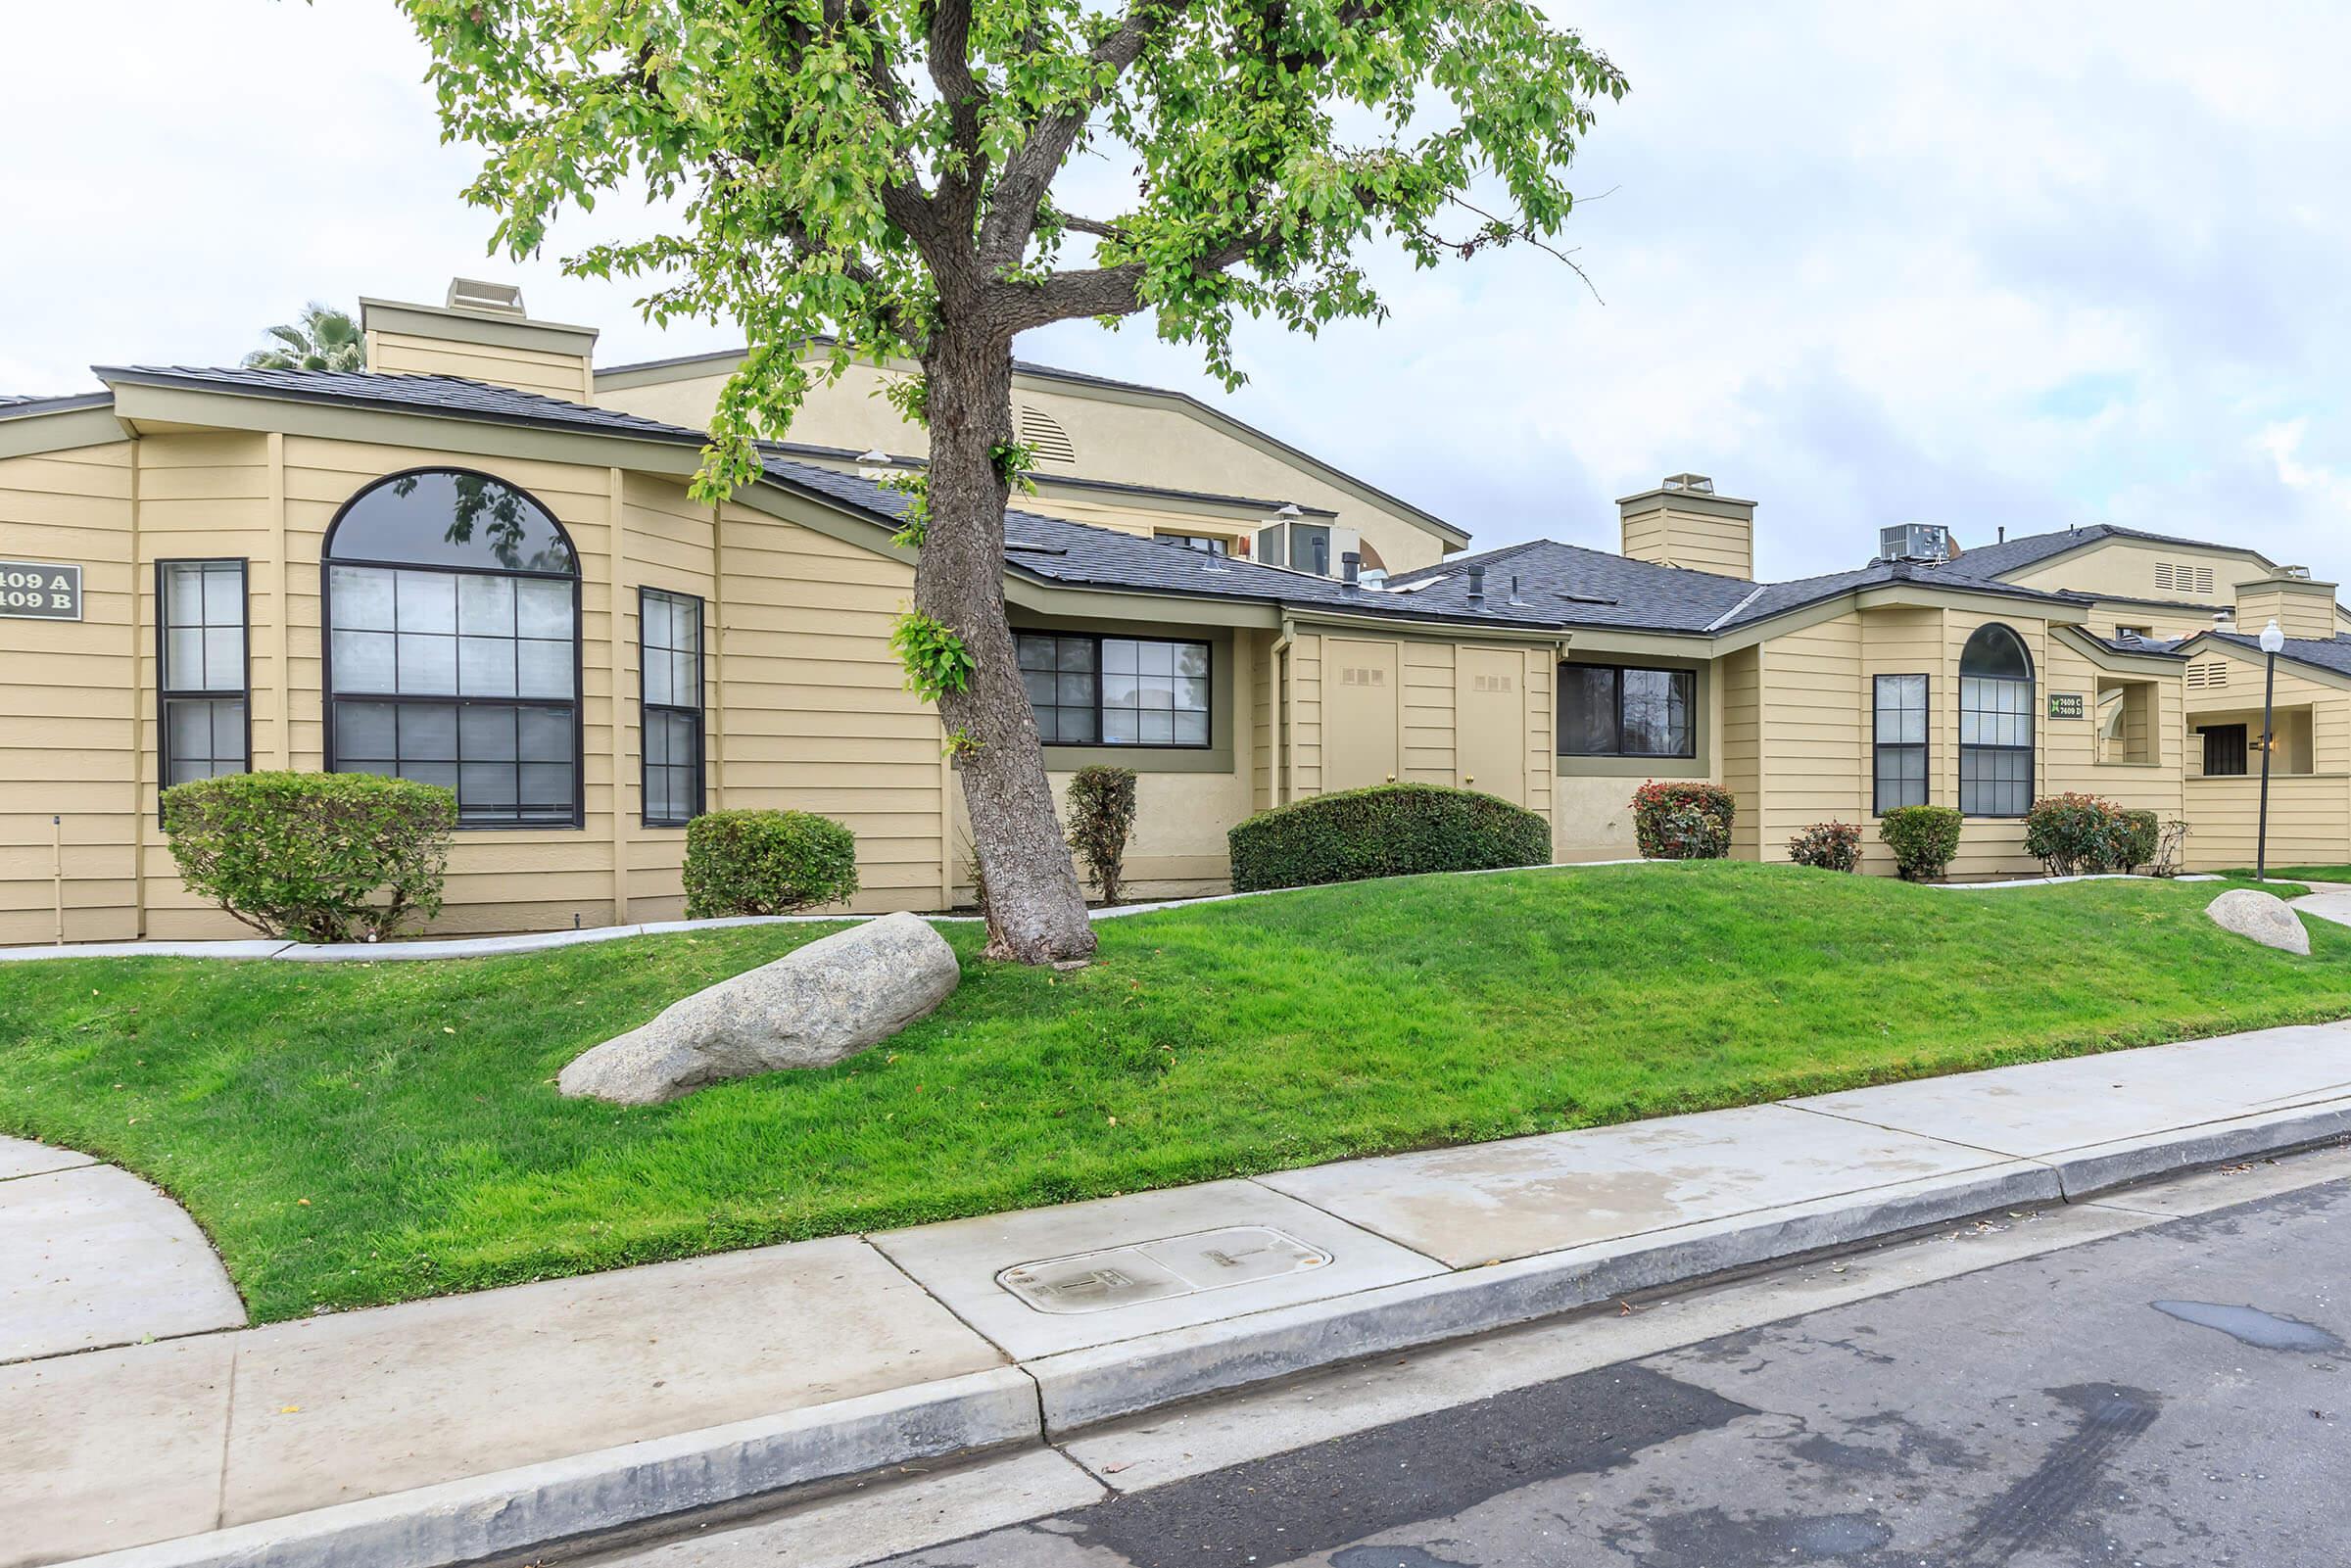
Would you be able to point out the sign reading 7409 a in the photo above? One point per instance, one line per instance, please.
(40, 591)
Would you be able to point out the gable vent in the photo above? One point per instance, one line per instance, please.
(2183, 577)
(1043, 436)
(2205, 677)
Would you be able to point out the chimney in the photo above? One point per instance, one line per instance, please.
(480, 332)
(2302, 607)
(1477, 584)
(1684, 523)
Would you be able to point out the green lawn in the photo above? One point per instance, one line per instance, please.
(362, 1133)
(2301, 874)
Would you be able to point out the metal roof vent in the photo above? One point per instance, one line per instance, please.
(1930, 543)
(1696, 484)
(2297, 574)
(488, 298)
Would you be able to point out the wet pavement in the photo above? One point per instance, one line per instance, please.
(2171, 1396)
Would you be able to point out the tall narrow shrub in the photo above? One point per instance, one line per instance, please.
(1101, 802)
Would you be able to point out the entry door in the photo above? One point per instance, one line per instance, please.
(1361, 693)
(1489, 709)
(2225, 752)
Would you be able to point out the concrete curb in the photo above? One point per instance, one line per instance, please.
(514, 1510)
(1051, 1396)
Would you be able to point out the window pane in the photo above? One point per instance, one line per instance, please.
(444, 773)
(1120, 656)
(191, 730)
(1035, 653)
(363, 661)
(486, 787)
(362, 597)
(1119, 727)
(542, 608)
(655, 632)
(1191, 728)
(1191, 693)
(1656, 712)
(544, 670)
(426, 602)
(486, 666)
(184, 659)
(428, 733)
(485, 733)
(428, 665)
(1587, 710)
(485, 605)
(1191, 659)
(1155, 658)
(224, 659)
(451, 519)
(183, 594)
(365, 732)
(545, 735)
(546, 783)
(1995, 650)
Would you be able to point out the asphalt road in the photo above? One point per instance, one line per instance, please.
(2173, 1396)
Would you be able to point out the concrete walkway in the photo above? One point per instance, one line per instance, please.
(442, 1431)
(96, 1258)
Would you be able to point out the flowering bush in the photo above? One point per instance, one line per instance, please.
(2075, 834)
(1681, 820)
(1828, 845)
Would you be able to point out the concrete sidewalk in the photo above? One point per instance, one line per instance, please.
(441, 1431)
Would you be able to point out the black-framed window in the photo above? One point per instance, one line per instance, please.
(1205, 544)
(1995, 724)
(1089, 689)
(1900, 741)
(204, 712)
(1610, 710)
(453, 648)
(670, 648)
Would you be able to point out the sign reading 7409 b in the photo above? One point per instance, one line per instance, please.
(42, 592)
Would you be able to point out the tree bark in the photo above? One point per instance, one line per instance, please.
(1035, 909)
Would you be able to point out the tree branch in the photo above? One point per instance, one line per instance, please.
(1028, 173)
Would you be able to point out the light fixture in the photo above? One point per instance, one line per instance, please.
(2272, 639)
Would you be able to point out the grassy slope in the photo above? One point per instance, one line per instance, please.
(412, 1104)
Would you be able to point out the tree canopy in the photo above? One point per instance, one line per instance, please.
(839, 164)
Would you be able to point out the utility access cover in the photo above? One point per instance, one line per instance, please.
(1152, 1270)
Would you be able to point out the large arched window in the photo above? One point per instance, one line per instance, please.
(1995, 724)
(453, 648)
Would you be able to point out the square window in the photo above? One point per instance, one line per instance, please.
(427, 602)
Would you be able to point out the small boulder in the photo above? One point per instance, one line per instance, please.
(811, 1007)
(2264, 917)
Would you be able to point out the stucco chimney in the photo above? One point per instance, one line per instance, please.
(482, 333)
(1683, 522)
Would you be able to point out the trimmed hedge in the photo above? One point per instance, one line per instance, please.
(766, 862)
(2139, 841)
(318, 857)
(1678, 820)
(1923, 838)
(1827, 846)
(1398, 830)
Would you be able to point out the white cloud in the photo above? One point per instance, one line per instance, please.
(1995, 266)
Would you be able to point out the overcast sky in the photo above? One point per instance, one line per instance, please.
(1986, 267)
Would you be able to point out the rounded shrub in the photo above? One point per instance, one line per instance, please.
(2075, 835)
(318, 857)
(1923, 838)
(1681, 820)
(766, 862)
(1396, 830)
(1828, 845)
(2139, 841)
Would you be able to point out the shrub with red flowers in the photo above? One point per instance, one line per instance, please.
(1828, 845)
(1676, 820)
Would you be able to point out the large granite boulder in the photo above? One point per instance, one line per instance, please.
(2264, 917)
(813, 1007)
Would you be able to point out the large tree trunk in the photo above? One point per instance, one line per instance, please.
(1036, 910)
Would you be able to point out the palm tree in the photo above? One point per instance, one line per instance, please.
(322, 339)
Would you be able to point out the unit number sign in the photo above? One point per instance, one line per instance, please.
(2065, 705)
(39, 591)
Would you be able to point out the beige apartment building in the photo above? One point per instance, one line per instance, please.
(476, 562)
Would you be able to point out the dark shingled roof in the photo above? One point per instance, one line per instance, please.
(2333, 654)
(2015, 555)
(434, 395)
(1085, 556)
(1592, 588)
(17, 405)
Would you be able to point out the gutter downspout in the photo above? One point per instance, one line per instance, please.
(1279, 684)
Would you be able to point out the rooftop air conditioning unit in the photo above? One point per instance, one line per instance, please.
(1915, 542)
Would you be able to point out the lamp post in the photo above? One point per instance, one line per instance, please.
(2271, 640)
